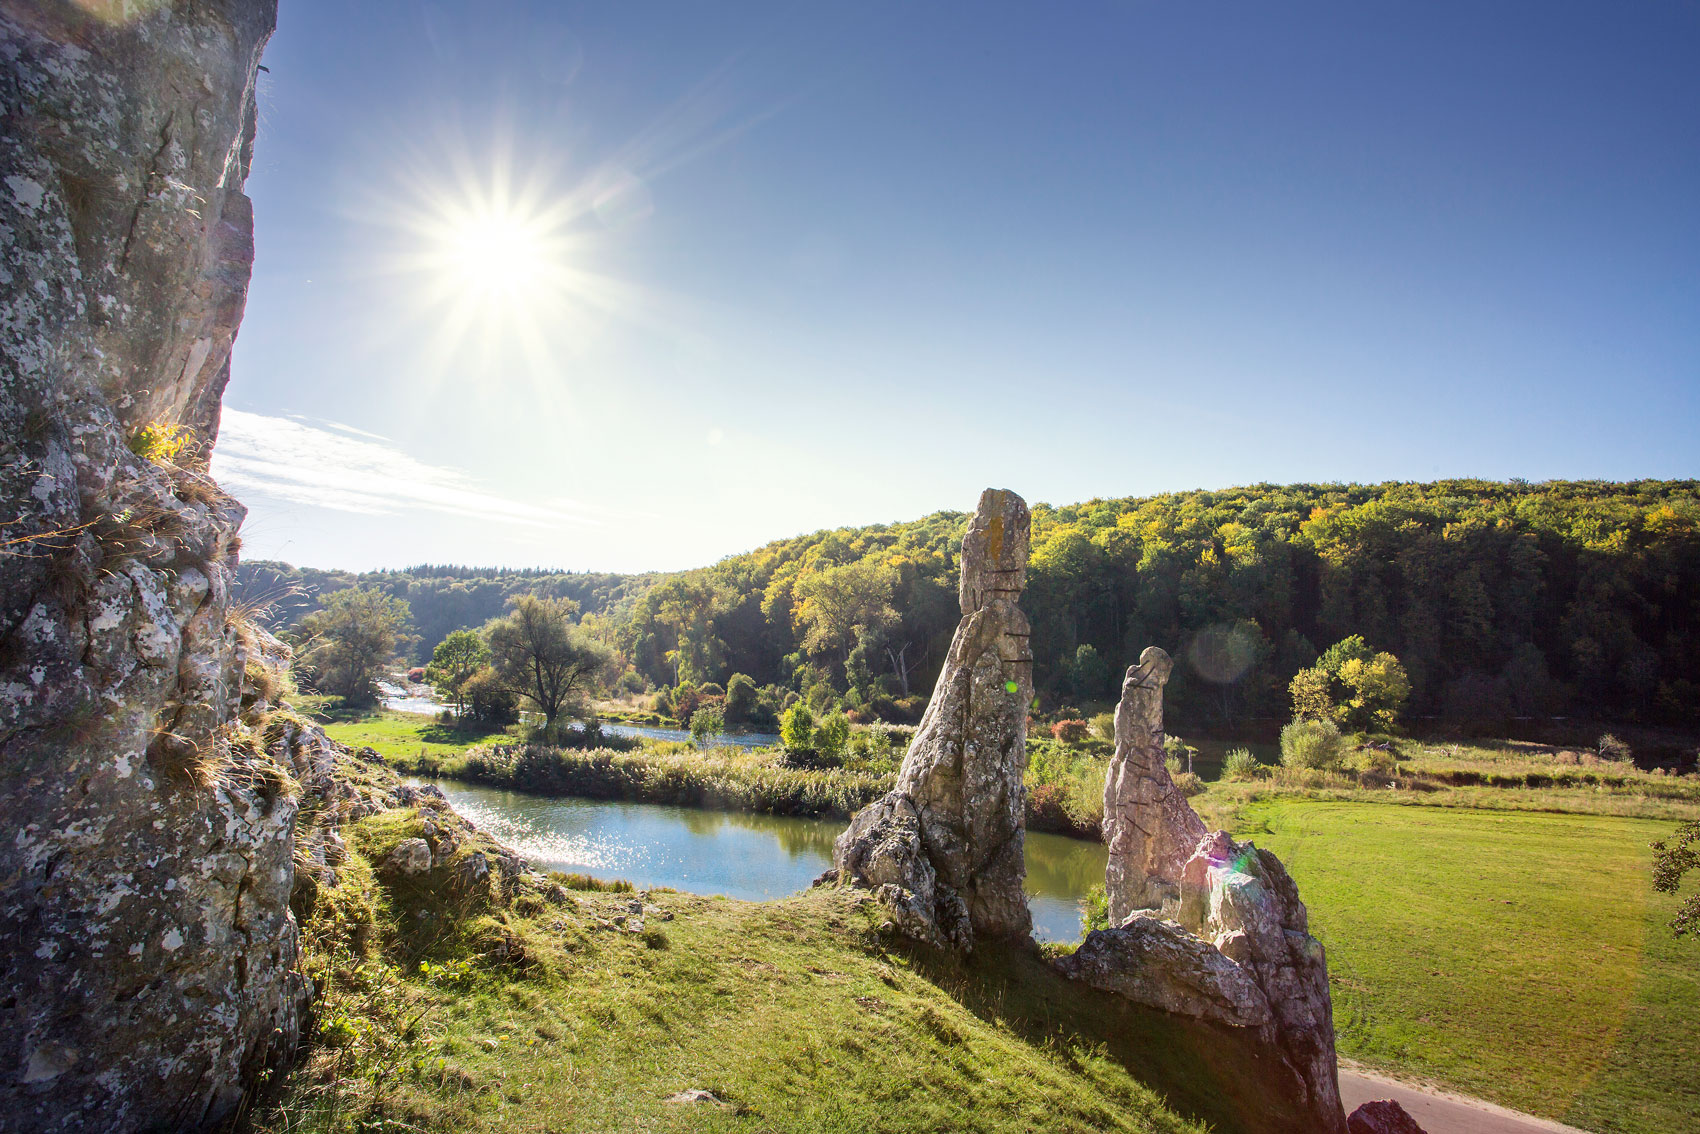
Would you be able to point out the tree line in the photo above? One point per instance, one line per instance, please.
(1494, 600)
(441, 598)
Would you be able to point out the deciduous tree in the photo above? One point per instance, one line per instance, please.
(346, 645)
(542, 656)
(1670, 863)
(454, 661)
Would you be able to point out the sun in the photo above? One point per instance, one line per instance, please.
(507, 258)
(495, 268)
(499, 270)
(498, 252)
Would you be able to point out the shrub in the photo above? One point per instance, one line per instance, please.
(1240, 764)
(741, 696)
(488, 698)
(1175, 748)
(833, 734)
(1104, 727)
(1189, 784)
(1094, 909)
(1611, 748)
(1070, 731)
(1378, 764)
(586, 882)
(1174, 766)
(707, 723)
(1047, 808)
(797, 728)
(1310, 743)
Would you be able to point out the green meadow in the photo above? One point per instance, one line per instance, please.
(1521, 957)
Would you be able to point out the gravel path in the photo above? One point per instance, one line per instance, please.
(1437, 1111)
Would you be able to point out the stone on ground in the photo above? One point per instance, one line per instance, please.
(1385, 1116)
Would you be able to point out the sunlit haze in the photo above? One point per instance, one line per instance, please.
(620, 287)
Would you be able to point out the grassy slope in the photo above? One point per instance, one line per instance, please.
(795, 1013)
(1521, 957)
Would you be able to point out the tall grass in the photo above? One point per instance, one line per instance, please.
(725, 779)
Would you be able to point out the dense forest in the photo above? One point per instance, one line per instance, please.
(1500, 599)
(442, 598)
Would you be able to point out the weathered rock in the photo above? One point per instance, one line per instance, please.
(411, 858)
(1159, 963)
(944, 850)
(146, 947)
(1149, 827)
(1385, 1116)
(1201, 924)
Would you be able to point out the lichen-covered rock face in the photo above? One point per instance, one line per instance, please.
(1200, 924)
(950, 838)
(146, 946)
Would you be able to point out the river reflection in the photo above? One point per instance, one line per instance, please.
(735, 853)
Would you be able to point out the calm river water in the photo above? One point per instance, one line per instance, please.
(733, 853)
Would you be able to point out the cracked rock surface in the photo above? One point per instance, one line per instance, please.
(147, 953)
(944, 850)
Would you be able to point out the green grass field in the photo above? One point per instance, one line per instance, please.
(1520, 957)
(408, 736)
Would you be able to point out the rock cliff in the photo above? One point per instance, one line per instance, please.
(146, 946)
(1202, 925)
(944, 850)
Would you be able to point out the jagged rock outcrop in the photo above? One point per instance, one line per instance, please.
(1202, 925)
(944, 850)
(147, 952)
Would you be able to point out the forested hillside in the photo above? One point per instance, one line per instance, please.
(1499, 599)
(442, 598)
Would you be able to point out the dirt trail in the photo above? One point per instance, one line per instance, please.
(1438, 1111)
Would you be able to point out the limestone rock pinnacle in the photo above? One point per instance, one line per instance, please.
(944, 850)
(1202, 925)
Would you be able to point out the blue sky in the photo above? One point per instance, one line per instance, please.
(628, 286)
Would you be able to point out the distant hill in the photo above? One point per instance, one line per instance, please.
(443, 598)
(1501, 599)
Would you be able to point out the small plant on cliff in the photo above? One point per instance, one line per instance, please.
(161, 442)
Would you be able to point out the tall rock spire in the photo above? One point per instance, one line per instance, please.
(944, 850)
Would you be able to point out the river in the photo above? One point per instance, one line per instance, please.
(738, 854)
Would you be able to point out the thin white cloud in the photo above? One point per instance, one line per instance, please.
(306, 464)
